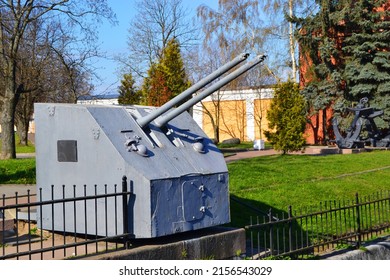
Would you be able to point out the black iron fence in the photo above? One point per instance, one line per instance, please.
(22, 237)
(294, 234)
(335, 224)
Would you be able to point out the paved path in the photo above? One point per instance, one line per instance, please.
(250, 154)
(10, 189)
(25, 155)
(256, 153)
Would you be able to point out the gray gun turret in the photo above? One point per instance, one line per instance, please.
(178, 176)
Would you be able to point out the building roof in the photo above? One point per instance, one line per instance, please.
(99, 97)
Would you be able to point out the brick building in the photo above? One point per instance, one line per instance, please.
(320, 123)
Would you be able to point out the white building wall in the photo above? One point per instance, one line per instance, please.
(197, 114)
(249, 95)
(96, 101)
(250, 120)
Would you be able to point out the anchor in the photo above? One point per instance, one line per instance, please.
(364, 115)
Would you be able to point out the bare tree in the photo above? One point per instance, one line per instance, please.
(235, 27)
(31, 60)
(280, 27)
(15, 18)
(155, 24)
(202, 64)
(72, 64)
(53, 67)
(213, 114)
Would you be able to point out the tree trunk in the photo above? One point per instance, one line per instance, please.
(315, 128)
(216, 134)
(23, 112)
(324, 127)
(215, 129)
(7, 125)
(22, 129)
(292, 42)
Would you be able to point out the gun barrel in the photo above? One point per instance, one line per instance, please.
(143, 121)
(162, 120)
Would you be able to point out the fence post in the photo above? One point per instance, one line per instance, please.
(125, 211)
(359, 242)
(271, 234)
(290, 228)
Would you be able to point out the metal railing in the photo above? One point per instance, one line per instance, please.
(22, 238)
(342, 224)
(276, 235)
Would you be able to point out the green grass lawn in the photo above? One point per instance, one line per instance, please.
(25, 149)
(303, 181)
(22, 149)
(17, 171)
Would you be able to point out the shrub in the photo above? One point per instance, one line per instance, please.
(286, 118)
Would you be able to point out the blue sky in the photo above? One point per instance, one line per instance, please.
(114, 39)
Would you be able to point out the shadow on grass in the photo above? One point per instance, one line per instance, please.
(276, 235)
(244, 210)
(18, 171)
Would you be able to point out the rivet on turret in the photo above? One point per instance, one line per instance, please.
(142, 150)
(96, 133)
(199, 147)
(52, 110)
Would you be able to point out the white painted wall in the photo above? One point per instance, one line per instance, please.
(249, 95)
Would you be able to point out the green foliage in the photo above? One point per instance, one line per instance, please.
(167, 78)
(364, 249)
(128, 93)
(33, 231)
(347, 46)
(173, 67)
(277, 258)
(154, 89)
(184, 254)
(367, 57)
(286, 118)
(344, 246)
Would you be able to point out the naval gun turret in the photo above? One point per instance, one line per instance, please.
(178, 177)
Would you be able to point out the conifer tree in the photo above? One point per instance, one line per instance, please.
(173, 66)
(128, 93)
(346, 44)
(367, 55)
(286, 118)
(154, 89)
(319, 50)
(167, 78)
